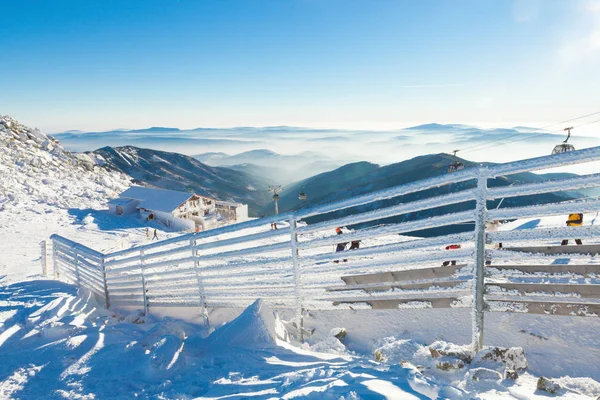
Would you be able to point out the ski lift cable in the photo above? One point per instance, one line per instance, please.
(538, 134)
(535, 130)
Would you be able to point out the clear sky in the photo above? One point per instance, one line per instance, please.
(99, 65)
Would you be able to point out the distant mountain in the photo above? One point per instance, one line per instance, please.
(179, 172)
(437, 127)
(211, 158)
(361, 178)
(155, 129)
(280, 168)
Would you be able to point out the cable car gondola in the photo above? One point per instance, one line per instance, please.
(302, 196)
(457, 165)
(564, 146)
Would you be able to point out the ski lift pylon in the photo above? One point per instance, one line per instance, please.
(564, 146)
(456, 165)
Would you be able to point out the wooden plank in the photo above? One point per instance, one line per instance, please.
(391, 304)
(406, 275)
(586, 249)
(585, 270)
(378, 287)
(584, 290)
(529, 307)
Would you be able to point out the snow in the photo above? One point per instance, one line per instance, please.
(156, 199)
(57, 341)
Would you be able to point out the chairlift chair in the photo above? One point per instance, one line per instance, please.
(457, 165)
(564, 146)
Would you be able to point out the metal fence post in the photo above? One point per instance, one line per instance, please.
(44, 257)
(297, 278)
(144, 294)
(479, 269)
(200, 284)
(103, 267)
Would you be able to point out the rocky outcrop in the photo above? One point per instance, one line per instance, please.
(34, 169)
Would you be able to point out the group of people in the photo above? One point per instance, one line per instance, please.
(354, 244)
(492, 226)
(155, 234)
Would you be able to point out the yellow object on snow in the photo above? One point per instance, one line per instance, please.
(575, 220)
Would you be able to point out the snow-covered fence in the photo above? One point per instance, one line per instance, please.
(294, 267)
(81, 265)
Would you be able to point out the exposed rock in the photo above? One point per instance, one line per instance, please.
(441, 349)
(484, 374)
(510, 374)
(449, 364)
(500, 358)
(338, 333)
(546, 385)
(392, 350)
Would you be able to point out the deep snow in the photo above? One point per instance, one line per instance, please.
(57, 342)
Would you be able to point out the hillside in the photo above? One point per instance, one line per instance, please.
(179, 172)
(360, 178)
(35, 170)
(44, 190)
(279, 168)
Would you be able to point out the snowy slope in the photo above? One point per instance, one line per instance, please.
(43, 189)
(56, 342)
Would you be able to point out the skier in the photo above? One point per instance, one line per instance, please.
(155, 235)
(340, 246)
(451, 247)
(355, 245)
(574, 220)
(147, 233)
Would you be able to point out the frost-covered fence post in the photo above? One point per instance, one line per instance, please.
(103, 269)
(297, 278)
(77, 267)
(479, 269)
(200, 284)
(44, 257)
(144, 294)
(54, 259)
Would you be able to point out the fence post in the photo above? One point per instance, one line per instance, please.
(77, 267)
(103, 267)
(479, 269)
(297, 279)
(44, 257)
(145, 297)
(200, 284)
(55, 270)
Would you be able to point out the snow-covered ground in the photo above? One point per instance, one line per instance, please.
(56, 342)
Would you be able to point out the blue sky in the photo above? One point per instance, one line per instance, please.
(97, 65)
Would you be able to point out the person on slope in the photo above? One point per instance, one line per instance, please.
(354, 245)
(451, 247)
(573, 220)
(340, 246)
(155, 234)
